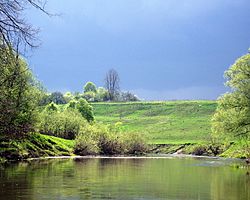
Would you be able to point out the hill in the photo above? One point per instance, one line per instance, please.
(168, 122)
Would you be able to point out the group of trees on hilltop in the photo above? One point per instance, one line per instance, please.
(92, 93)
(110, 91)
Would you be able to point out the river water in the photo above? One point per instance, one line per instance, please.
(175, 178)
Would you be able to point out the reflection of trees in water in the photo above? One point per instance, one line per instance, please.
(101, 178)
(230, 183)
(13, 181)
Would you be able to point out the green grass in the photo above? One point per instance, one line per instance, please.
(34, 145)
(169, 122)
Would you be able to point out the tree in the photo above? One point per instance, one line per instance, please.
(128, 96)
(14, 28)
(112, 82)
(68, 96)
(19, 94)
(89, 96)
(232, 117)
(101, 95)
(85, 109)
(90, 87)
(57, 97)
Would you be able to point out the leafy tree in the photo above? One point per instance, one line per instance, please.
(83, 107)
(128, 96)
(52, 107)
(68, 96)
(19, 94)
(101, 95)
(232, 117)
(57, 97)
(77, 95)
(90, 87)
(72, 104)
(89, 96)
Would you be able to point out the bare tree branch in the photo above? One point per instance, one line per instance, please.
(14, 28)
(112, 82)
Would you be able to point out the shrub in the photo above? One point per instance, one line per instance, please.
(65, 124)
(199, 150)
(85, 145)
(135, 143)
(51, 107)
(110, 144)
(107, 140)
(83, 107)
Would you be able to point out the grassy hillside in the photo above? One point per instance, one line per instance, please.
(162, 122)
(34, 145)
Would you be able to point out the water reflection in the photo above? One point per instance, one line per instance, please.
(107, 178)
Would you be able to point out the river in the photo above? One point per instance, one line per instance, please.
(173, 178)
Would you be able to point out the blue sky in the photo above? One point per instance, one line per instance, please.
(162, 49)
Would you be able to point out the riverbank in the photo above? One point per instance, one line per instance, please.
(232, 150)
(38, 146)
(34, 145)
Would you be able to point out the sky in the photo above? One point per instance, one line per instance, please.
(162, 49)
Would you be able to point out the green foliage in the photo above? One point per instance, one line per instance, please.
(65, 124)
(232, 117)
(51, 107)
(108, 140)
(19, 94)
(72, 104)
(85, 109)
(90, 87)
(56, 97)
(101, 95)
(167, 122)
(127, 96)
(68, 96)
(34, 145)
(135, 143)
(85, 145)
(89, 96)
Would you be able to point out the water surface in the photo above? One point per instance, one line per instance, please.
(120, 178)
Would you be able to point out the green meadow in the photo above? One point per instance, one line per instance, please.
(166, 122)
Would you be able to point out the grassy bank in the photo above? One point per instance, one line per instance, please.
(170, 126)
(170, 122)
(34, 145)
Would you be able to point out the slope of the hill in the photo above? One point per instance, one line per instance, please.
(161, 122)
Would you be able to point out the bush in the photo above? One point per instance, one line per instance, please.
(51, 107)
(135, 144)
(83, 107)
(110, 144)
(65, 124)
(200, 150)
(107, 140)
(85, 145)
